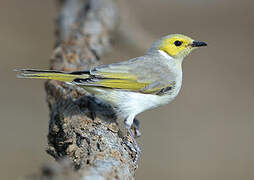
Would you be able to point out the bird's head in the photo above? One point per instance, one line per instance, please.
(177, 46)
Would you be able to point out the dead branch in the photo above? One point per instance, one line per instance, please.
(81, 130)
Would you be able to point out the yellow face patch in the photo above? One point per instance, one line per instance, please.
(176, 45)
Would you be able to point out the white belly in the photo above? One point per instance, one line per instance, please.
(131, 103)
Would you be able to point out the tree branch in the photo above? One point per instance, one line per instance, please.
(90, 143)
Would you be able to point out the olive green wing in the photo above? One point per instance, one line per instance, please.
(132, 75)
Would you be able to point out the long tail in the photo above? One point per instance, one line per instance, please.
(51, 74)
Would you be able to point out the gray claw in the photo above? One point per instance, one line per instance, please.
(135, 147)
(136, 127)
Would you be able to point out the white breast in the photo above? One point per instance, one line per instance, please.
(132, 103)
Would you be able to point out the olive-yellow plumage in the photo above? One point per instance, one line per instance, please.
(135, 85)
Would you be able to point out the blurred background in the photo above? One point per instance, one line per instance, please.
(206, 133)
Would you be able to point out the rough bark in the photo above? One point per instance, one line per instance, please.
(82, 130)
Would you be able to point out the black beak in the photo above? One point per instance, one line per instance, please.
(198, 44)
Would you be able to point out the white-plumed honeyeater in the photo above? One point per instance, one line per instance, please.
(135, 85)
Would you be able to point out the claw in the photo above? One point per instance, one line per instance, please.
(133, 148)
(136, 128)
(138, 150)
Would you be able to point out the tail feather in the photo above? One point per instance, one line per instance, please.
(51, 74)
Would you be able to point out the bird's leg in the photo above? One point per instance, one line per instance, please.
(136, 127)
(136, 147)
(128, 123)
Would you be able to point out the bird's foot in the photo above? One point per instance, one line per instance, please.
(136, 128)
(132, 146)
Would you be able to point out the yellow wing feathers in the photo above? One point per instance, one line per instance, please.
(114, 75)
(125, 81)
(113, 80)
(122, 84)
(47, 74)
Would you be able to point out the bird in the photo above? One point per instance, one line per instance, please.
(135, 85)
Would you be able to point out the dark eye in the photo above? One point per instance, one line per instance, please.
(178, 43)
